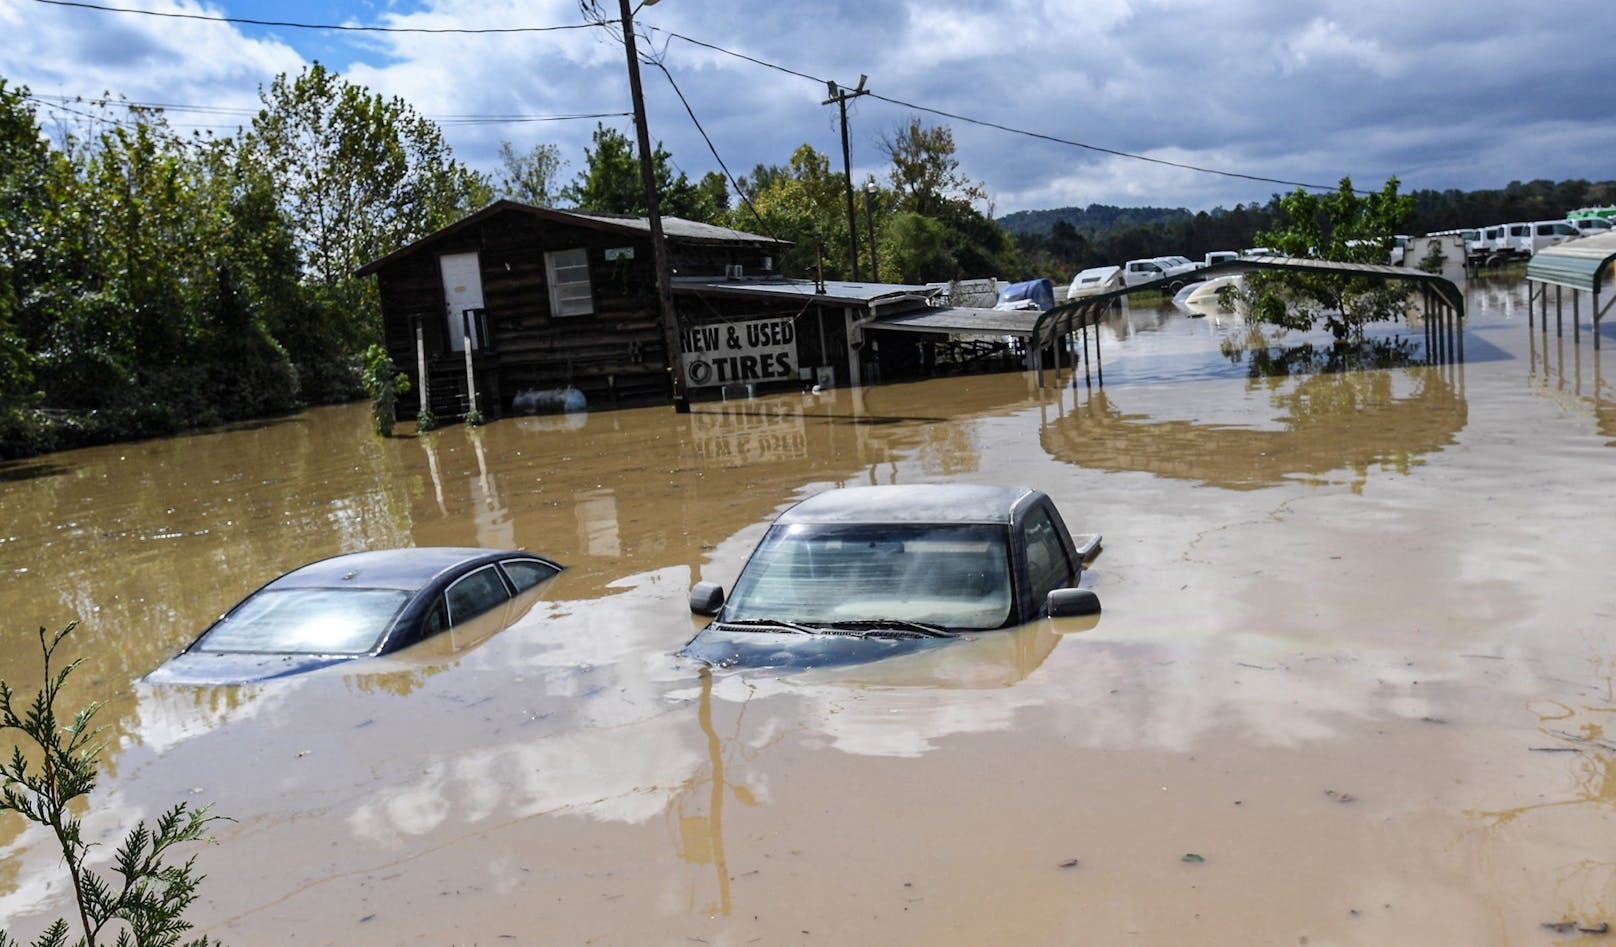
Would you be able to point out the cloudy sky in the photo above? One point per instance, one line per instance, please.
(1441, 93)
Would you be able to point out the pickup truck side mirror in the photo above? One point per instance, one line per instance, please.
(1063, 603)
(706, 598)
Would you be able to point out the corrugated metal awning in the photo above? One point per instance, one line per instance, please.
(799, 290)
(957, 320)
(1576, 264)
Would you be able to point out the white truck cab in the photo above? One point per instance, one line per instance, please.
(1135, 272)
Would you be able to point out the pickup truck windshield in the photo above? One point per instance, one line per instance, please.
(952, 576)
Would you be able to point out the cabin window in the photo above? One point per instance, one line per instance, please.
(568, 271)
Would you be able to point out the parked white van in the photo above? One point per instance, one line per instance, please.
(1547, 233)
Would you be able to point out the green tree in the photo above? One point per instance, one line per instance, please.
(925, 173)
(360, 175)
(47, 783)
(803, 202)
(917, 248)
(25, 170)
(384, 383)
(1343, 226)
(532, 176)
(926, 181)
(610, 182)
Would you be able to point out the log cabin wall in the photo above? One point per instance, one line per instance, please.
(615, 355)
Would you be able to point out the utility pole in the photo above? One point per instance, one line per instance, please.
(840, 97)
(659, 247)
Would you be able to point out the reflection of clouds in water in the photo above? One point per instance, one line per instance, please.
(606, 743)
(166, 716)
(865, 720)
(41, 880)
(623, 774)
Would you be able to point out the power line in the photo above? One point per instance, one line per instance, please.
(1099, 148)
(61, 101)
(289, 24)
(712, 148)
(1007, 128)
(1054, 139)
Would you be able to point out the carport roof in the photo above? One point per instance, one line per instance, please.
(835, 291)
(1576, 264)
(958, 320)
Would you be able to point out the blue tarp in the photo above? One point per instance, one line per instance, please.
(1039, 292)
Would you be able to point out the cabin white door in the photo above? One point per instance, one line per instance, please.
(462, 290)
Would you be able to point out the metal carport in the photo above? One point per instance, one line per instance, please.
(1444, 302)
(1578, 266)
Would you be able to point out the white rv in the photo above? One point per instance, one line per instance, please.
(1094, 280)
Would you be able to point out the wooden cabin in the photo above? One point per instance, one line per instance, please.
(544, 300)
(521, 307)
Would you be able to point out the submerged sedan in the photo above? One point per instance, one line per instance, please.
(861, 573)
(354, 606)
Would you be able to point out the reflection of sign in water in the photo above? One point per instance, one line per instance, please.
(734, 353)
(749, 433)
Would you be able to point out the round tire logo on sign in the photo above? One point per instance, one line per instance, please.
(701, 372)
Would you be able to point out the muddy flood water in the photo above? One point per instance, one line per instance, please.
(1356, 658)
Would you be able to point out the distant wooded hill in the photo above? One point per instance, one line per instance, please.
(1059, 242)
(1095, 218)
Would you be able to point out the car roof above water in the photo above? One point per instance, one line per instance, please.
(917, 503)
(385, 568)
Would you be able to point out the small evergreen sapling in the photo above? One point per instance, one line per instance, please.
(145, 897)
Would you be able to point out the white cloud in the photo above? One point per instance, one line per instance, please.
(1300, 93)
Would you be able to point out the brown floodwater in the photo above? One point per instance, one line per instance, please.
(1356, 657)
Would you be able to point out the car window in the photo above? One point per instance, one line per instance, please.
(956, 576)
(473, 594)
(306, 621)
(526, 573)
(437, 619)
(1047, 564)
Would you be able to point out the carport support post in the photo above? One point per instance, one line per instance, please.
(1576, 316)
(1559, 314)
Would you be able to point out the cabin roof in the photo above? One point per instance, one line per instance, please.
(675, 229)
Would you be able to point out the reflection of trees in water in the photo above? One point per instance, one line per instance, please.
(1271, 363)
(1340, 410)
(148, 542)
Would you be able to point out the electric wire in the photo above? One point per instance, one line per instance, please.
(954, 116)
(292, 24)
(1005, 128)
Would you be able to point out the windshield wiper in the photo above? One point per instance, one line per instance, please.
(765, 624)
(895, 624)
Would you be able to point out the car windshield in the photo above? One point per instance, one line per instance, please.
(307, 621)
(952, 576)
